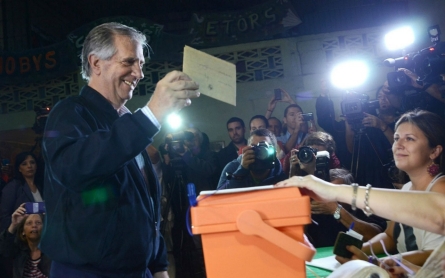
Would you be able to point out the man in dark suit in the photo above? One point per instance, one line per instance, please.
(101, 193)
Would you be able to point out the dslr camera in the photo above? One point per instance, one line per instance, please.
(264, 157)
(354, 105)
(306, 155)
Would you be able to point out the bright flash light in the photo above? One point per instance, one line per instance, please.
(174, 121)
(399, 38)
(349, 74)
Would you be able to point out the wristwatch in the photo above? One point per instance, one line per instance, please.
(337, 212)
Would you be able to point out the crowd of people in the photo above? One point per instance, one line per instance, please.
(111, 197)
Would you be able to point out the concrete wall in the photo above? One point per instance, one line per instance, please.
(305, 62)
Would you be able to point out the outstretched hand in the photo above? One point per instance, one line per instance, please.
(312, 186)
(172, 93)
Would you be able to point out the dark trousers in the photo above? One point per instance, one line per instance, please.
(59, 270)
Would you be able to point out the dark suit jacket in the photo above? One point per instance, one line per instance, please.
(102, 216)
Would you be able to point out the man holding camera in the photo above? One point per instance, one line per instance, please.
(297, 128)
(411, 93)
(364, 139)
(187, 159)
(257, 165)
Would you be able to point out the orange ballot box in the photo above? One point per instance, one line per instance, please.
(254, 232)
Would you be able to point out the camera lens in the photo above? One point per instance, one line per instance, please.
(306, 154)
(264, 156)
(261, 153)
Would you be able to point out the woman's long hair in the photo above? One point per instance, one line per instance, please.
(18, 160)
(21, 228)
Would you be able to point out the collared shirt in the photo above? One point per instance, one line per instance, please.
(147, 112)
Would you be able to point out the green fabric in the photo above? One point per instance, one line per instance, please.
(321, 253)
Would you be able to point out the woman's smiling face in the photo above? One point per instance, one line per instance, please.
(411, 148)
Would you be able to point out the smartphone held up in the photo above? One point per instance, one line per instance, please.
(277, 94)
(35, 207)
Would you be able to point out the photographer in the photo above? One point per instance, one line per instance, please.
(318, 141)
(331, 218)
(384, 121)
(297, 128)
(364, 139)
(405, 92)
(280, 96)
(187, 159)
(253, 167)
(20, 241)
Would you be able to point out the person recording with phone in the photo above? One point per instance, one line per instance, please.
(23, 188)
(368, 137)
(297, 123)
(20, 241)
(296, 127)
(258, 164)
(280, 95)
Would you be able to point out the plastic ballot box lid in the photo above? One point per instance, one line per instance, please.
(253, 232)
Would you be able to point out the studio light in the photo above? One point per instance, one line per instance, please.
(399, 38)
(174, 121)
(349, 74)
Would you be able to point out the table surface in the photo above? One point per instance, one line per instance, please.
(312, 271)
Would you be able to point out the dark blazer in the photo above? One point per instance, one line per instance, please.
(14, 194)
(101, 214)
